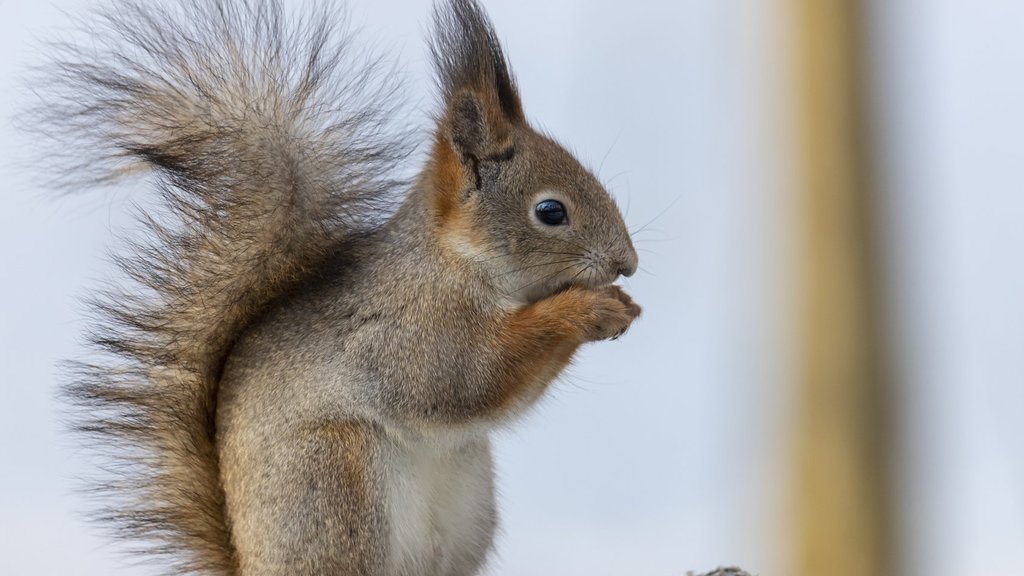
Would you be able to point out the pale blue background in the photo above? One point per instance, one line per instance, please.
(664, 451)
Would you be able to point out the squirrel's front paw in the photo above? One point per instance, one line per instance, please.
(612, 313)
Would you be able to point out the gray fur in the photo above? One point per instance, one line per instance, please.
(299, 386)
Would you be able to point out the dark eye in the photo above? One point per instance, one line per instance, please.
(551, 212)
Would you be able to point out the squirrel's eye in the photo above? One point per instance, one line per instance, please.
(551, 212)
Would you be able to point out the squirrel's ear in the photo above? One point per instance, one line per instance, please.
(480, 96)
(467, 127)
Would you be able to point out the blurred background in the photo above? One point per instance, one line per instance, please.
(829, 375)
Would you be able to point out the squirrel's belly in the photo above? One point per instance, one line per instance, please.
(440, 508)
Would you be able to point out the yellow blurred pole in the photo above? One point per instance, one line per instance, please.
(842, 522)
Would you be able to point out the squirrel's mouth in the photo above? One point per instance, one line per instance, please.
(578, 278)
(591, 282)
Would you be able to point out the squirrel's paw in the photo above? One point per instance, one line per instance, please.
(612, 313)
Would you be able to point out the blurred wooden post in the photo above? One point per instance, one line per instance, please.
(842, 521)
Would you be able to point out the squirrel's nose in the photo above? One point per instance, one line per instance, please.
(627, 266)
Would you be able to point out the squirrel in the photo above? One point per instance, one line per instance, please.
(303, 373)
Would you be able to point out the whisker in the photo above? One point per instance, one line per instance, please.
(652, 220)
(577, 274)
(608, 183)
(543, 279)
(524, 254)
(668, 239)
(578, 245)
(606, 154)
(503, 274)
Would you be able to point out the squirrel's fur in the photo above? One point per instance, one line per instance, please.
(300, 379)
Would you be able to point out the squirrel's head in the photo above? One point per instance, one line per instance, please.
(510, 200)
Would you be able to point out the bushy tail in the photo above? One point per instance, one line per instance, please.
(267, 138)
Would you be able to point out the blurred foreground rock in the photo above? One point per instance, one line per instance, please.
(732, 571)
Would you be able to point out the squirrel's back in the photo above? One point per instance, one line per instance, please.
(268, 139)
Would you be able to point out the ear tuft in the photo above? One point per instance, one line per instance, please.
(469, 58)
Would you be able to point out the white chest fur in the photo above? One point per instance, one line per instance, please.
(440, 506)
